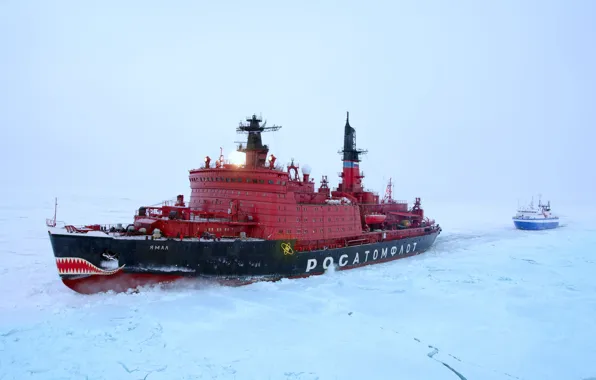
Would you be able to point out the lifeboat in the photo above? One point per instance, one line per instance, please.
(374, 218)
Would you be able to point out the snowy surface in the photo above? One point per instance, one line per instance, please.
(487, 302)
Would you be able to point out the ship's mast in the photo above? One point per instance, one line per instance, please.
(52, 222)
(388, 193)
(351, 176)
(256, 152)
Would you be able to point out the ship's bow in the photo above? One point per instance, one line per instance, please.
(86, 263)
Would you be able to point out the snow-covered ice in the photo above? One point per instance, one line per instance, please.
(487, 302)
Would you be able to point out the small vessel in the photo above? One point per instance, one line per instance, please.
(532, 218)
(248, 219)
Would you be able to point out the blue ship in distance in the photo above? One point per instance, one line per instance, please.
(532, 218)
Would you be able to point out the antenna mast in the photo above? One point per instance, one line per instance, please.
(388, 193)
(256, 152)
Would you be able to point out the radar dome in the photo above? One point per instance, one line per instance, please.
(306, 169)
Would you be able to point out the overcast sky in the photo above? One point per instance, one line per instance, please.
(453, 99)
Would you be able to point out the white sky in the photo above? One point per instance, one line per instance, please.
(454, 100)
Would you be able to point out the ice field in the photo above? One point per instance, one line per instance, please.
(487, 302)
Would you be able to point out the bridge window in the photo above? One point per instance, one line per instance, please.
(270, 182)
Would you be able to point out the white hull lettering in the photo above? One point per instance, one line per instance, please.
(328, 261)
(311, 264)
(343, 260)
(158, 248)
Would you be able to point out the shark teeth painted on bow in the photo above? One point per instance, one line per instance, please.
(76, 265)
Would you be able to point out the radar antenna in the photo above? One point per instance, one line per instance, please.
(256, 152)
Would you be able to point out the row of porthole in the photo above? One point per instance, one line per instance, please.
(314, 220)
(231, 192)
(237, 180)
(343, 229)
(330, 208)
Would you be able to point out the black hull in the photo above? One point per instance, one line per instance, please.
(88, 264)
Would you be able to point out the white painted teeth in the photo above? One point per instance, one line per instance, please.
(76, 265)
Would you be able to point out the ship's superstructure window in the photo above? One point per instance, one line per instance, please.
(238, 179)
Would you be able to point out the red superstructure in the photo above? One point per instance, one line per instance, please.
(258, 198)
